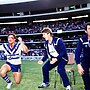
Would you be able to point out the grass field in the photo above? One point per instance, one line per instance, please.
(32, 77)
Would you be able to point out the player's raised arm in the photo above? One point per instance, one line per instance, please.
(25, 48)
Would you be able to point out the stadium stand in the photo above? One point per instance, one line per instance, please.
(69, 29)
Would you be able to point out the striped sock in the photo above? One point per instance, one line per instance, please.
(7, 79)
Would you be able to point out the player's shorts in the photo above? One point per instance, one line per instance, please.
(14, 68)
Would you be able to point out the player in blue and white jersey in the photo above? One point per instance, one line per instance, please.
(12, 51)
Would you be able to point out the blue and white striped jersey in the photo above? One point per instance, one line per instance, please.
(13, 54)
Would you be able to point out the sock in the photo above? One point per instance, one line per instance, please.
(7, 79)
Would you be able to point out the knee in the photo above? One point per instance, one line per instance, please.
(44, 68)
(17, 82)
(61, 70)
(2, 73)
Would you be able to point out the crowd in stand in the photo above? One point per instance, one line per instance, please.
(32, 28)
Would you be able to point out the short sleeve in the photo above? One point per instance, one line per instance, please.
(1, 48)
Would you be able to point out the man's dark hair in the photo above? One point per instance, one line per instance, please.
(47, 30)
(88, 23)
(12, 34)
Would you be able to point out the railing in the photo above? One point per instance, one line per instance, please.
(41, 33)
(45, 14)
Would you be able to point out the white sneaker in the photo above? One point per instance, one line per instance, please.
(44, 85)
(68, 87)
(9, 85)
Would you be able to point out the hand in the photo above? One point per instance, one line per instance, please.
(53, 60)
(80, 69)
(20, 39)
(40, 62)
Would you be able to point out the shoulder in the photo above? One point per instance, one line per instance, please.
(4, 44)
(84, 38)
(18, 43)
(57, 40)
(45, 44)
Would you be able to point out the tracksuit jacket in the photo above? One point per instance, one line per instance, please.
(60, 48)
(83, 49)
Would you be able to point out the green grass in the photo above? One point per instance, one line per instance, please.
(32, 77)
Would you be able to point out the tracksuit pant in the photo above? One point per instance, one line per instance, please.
(86, 76)
(61, 70)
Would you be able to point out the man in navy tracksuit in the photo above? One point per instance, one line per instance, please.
(83, 63)
(56, 55)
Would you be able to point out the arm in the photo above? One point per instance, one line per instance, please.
(80, 69)
(62, 49)
(45, 53)
(77, 57)
(78, 52)
(44, 58)
(24, 47)
(1, 46)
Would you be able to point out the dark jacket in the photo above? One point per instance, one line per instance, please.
(60, 48)
(83, 47)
